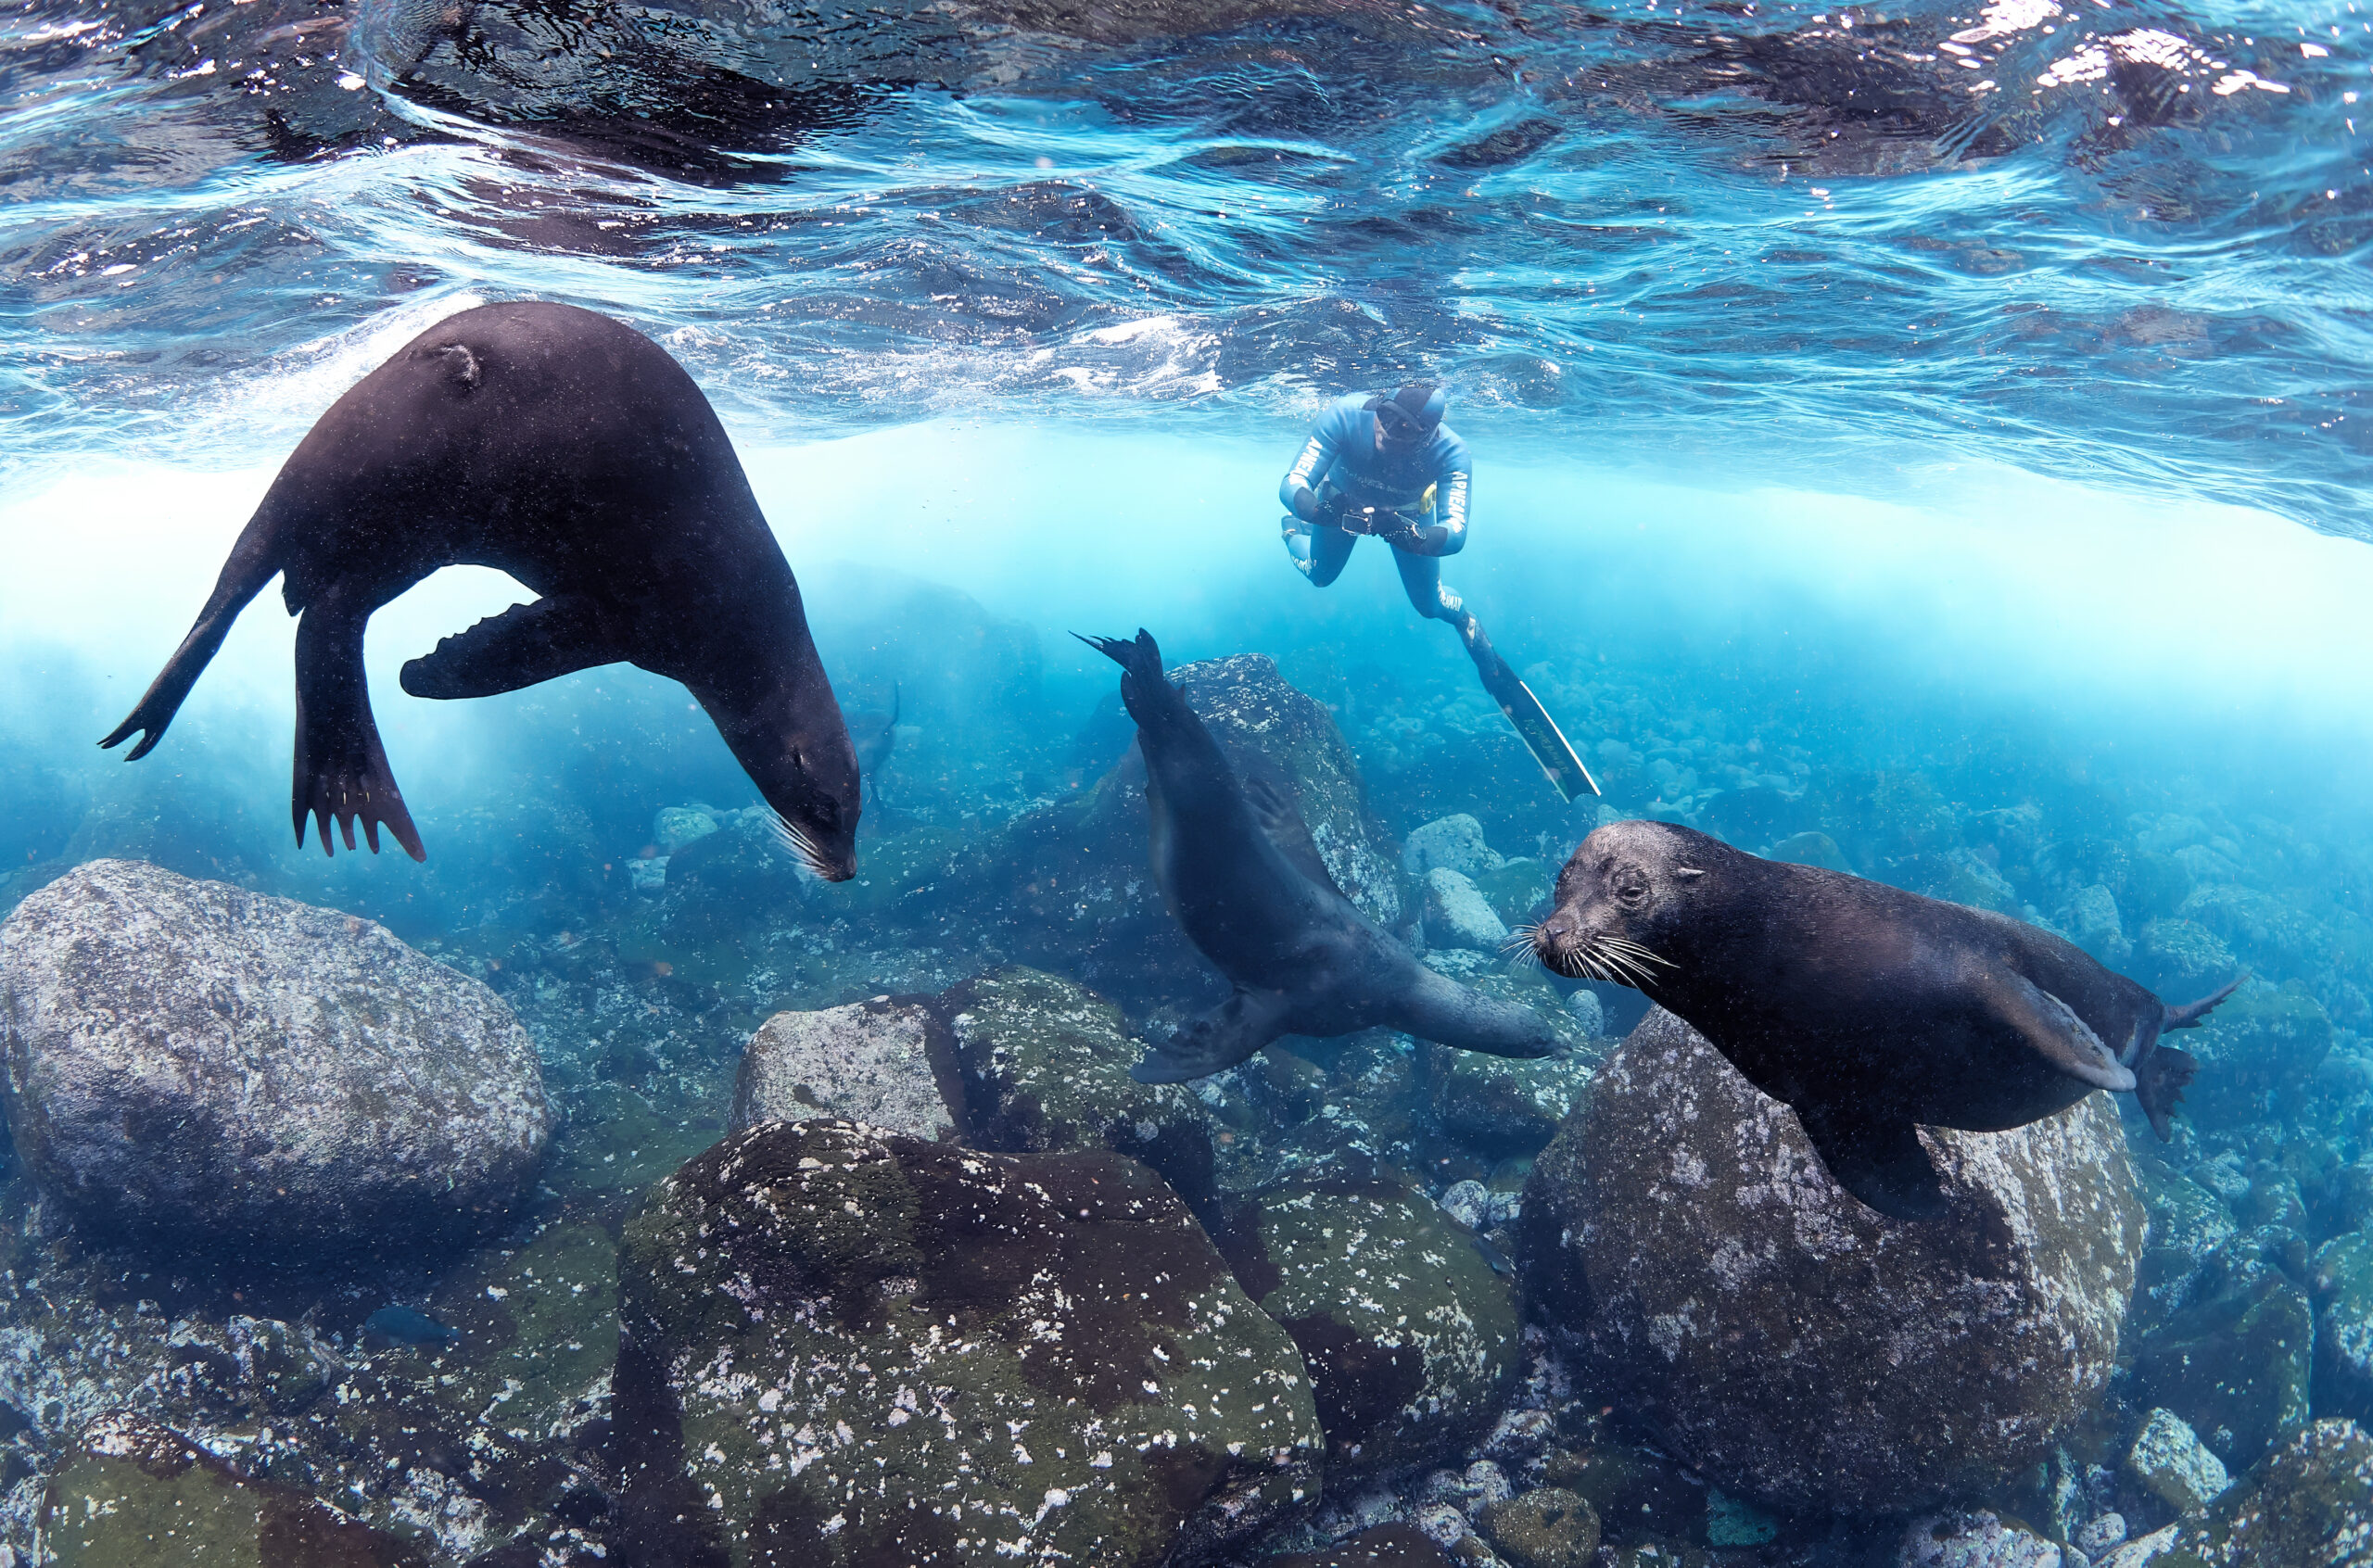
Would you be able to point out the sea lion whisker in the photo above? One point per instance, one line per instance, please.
(1625, 944)
(788, 834)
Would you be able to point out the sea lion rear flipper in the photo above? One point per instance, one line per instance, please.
(341, 773)
(2189, 1014)
(2058, 1034)
(1217, 1041)
(1878, 1161)
(525, 645)
(2162, 1078)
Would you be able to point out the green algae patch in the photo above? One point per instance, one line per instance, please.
(1412, 1342)
(1045, 1069)
(139, 1496)
(847, 1348)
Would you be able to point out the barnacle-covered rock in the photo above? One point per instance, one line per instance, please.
(1796, 1347)
(842, 1347)
(2308, 1504)
(2342, 1281)
(1412, 1340)
(2236, 1366)
(882, 1062)
(200, 1066)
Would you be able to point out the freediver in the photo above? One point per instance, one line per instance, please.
(1388, 467)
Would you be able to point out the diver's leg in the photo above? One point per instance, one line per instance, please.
(1318, 550)
(1421, 578)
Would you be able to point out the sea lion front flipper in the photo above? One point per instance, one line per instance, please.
(1218, 1039)
(1878, 1161)
(1273, 807)
(2058, 1034)
(524, 645)
(341, 774)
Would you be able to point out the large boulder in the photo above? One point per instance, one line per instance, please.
(1796, 1347)
(841, 1346)
(1412, 1340)
(201, 1066)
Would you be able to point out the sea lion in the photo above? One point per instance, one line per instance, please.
(1866, 1008)
(1241, 875)
(571, 451)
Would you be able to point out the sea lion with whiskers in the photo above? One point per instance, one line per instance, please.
(1238, 867)
(570, 452)
(1870, 1010)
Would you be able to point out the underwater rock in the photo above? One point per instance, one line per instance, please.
(1734, 1297)
(2189, 1224)
(1412, 1340)
(1045, 1069)
(1641, 1497)
(2342, 1284)
(675, 826)
(1397, 1545)
(727, 882)
(2257, 1054)
(1589, 1012)
(2169, 1461)
(1977, 1539)
(2235, 1366)
(1548, 1527)
(1501, 1106)
(139, 1494)
(1454, 843)
(2308, 1504)
(206, 1067)
(1457, 914)
(2093, 923)
(2183, 958)
(877, 1062)
(841, 1346)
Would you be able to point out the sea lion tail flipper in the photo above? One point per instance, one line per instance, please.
(1217, 1041)
(2161, 1077)
(341, 771)
(2189, 1014)
(1433, 1007)
(525, 645)
(1877, 1158)
(2058, 1035)
(1142, 681)
(253, 564)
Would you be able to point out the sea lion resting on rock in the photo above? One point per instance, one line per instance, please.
(572, 452)
(1868, 1009)
(1237, 866)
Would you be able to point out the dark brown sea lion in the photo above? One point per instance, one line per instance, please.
(1237, 866)
(1868, 1009)
(571, 451)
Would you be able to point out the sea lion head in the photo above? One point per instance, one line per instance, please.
(1622, 901)
(797, 751)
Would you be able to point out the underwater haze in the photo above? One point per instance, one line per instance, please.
(1924, 442)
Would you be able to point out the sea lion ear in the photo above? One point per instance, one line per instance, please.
(1688, 871)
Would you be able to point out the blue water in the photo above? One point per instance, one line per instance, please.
(1871, 405)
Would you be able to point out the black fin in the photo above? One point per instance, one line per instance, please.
(1141, 672)
(1217, 1041)
(1879, 1160)
(341, 774)
(2058, 1036)
(1271, 799)
(2191, 1013)
(2160, 1083)
(525, 645)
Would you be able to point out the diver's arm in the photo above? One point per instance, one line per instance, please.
(1298, 490)
(1446, 534)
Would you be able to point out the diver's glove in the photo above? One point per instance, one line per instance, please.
(1380, 521)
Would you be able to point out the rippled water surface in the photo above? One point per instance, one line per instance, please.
(2112, 242)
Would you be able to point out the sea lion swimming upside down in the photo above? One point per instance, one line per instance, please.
(1868, 1009)
(570, 452)
(1238, 867)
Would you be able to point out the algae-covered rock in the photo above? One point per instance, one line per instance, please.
(139, 1496)
(1797, 1347)
(888, 1062)
(1959, 1538)
(1457, 914)
(1504, 1106)
(1454, 843)
(1640, 1497)
(1044, 1067)
(2169, 1462)
(1397, 1544)
(2258, 1052)
(2183, 959)
(2308, 1504)
(2189, 1224)
(1548, 1527)
(1412, 1340)
(840, 1347)
(2236, 1366)
(200, 1066)
(2342, 1281)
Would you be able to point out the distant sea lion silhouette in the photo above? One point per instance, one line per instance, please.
(571, 451)
(1242, 878)
(1868, 1009)
(880, 739)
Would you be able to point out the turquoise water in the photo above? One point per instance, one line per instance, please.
(1936, 430)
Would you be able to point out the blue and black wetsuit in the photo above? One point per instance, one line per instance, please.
(1426, 482)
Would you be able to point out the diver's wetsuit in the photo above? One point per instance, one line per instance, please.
(1424, 482)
